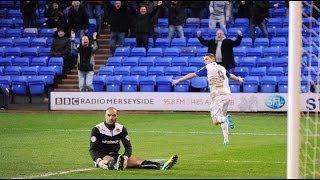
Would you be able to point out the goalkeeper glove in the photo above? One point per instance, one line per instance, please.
(100, 163)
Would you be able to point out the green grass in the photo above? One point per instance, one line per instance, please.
(38, 143)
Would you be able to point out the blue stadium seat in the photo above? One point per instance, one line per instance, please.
(171, 51)
(247, 62)
(12, 70)
(7, 4)
(36, 85)
(162, 32)
(50, 40)
(131, 42)
(240, 51)
(156, 70)
(163, 61)
(48, 73)
(106, 70)
(93, 23)
(147, 83)
(235, 86)
(188, 69)
(268, 84)
(189, 32)
(163, 22)
(261, 42)
(1, 70)
(180, 42)
(2, 32)
(247, 41)
(251, 84)
(305, 84)
(280, 62)
(196, 61)
(30, 32)
(241, 22)
(17, 32)
(256, 51)
(275, 71)
(182, 86)
(56, 62)
(204, 32)
(14, 13)
(12, 51)
(194, 42)
(204, 23)
(199, 83)
(172, 70)
(241, 71)
(282, 32)
(202, 51)
(276, 21)
(179, 61)
(98, 83)
(271, 51)
(278, 12)
(188, 51)
(310, 70)
(22, 41)
(41, 41)
(283, 84)
(233, 31)
(192, 22)
(5, 81)
(130, 61)
(138, 51)
(130, 83)
(18, 23)
(44, 51)
(113, 83)
(39, 61)
(258, 71)
(19, 85)
(122, 51)
(162, 42)
(29, 71)
(266, 61)
(6, 42)
(8, 23)
(278, 41)
(114, 61)
(20, 61)
(139, 70)
(121, 70)
(46, 32)
(163, 83)
(7, 61)
(29, 52)
(147, 61)
(155, 52)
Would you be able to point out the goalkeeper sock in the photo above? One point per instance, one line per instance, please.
(111, 164)
(221, 119)
(150, 165)
(225, 131)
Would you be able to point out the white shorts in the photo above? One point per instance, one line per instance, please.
(219, 105)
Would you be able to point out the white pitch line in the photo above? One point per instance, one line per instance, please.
(235, 161)
(55, 173)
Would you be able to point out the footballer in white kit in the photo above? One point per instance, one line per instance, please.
(220, 93)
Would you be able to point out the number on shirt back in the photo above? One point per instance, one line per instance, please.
(217, 80)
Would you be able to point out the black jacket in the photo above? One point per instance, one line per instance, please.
(61, 46)
(144, 23)
(226, 49)
(118, 18)
(176, 13)
(78, 20)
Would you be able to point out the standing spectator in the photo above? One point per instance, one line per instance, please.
(243, 9)
(94, 10)
(176, 17)
(258, 12)
(197, 8)
(220, 12)
(118, 24)
(78, 19)
(85, 62)
(61, 47)
(55, 16)
(142, 25)
(28, 10)
(222, 48)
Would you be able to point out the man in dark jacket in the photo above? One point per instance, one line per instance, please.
(222, 48)
(55, 16)
(118, 18)
(28, 10)
(176, 17)
(258, 12)
(78, 19)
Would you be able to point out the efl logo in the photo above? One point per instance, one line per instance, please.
(67, 101)
(275, 102)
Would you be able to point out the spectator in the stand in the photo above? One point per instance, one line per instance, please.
(222, 47)
(85, 62)
(61, 47)
(197, 8)
(142, 25)
(94, 10)
(78, 19)
(316, 9)
(118, 20)
(243, 9)
(220, 12)
(28, 10)
(54, 14)
(176, 17)
(258, 13)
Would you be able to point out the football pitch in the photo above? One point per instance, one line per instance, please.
(55, 145)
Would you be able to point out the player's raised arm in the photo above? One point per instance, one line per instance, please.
(184, 78)
(236, 78)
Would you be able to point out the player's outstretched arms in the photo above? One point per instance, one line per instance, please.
(236, 78)
(184, 78)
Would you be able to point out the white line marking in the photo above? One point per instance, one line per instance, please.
(235, 161)
(55, 173)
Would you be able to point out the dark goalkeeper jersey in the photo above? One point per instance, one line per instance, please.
(105, 140)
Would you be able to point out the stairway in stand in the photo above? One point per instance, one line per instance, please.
(70, 84)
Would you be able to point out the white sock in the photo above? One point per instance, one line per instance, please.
(225, 131)
(221, 119)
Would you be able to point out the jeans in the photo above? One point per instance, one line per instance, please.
(172, 29)
(85, 79)
(116, 40)
(218, 19)
(262, 26)
(95, 11)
